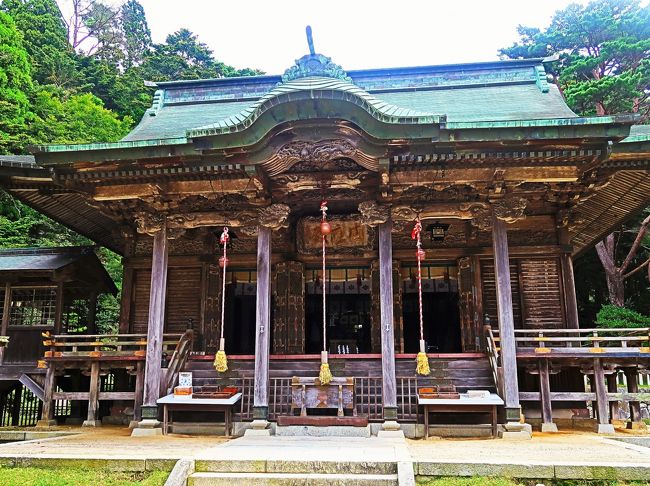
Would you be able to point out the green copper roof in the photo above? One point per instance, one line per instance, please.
(315, 88)
(497, 91)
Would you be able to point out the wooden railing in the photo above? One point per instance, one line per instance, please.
(634, 340)
(97, 346)
(368, 398)
(493, 357)
(178, 360)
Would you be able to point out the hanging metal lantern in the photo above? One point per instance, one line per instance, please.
(438, 231)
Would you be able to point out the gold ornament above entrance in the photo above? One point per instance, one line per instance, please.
(348, 235)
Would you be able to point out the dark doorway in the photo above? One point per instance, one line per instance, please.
(441, 315)
(348, 312)
(241, 288)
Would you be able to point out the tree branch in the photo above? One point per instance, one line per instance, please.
(637, 242)
(629, 274)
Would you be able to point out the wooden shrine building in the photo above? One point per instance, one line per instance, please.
(509, 183)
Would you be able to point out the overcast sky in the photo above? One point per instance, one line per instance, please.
(270, 35)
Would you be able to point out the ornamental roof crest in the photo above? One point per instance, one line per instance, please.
(314, 64)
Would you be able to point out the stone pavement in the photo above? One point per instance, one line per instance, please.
(565, 454)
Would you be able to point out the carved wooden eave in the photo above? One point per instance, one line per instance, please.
(274, 217)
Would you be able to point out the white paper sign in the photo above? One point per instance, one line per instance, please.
(185, 378)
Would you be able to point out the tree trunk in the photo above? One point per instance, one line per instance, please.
(616, 288)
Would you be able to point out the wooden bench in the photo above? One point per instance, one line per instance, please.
(464, 404)
(173, 403)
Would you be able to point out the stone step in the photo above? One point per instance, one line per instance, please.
(290, 479)
(295, 467)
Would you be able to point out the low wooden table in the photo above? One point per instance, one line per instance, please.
(464, 404)
(173, 403)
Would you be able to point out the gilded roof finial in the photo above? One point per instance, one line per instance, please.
(310, 41)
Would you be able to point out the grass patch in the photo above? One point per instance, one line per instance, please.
(488, 481)
(33, 476)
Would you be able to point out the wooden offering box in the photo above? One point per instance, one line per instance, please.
(440, 391)
(214, 391)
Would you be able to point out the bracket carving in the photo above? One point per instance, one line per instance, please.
(275, 216)
(510, 209)
(149, 222)
(373, 214)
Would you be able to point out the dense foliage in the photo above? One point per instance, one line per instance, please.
(613, 316)
(601, 54)
(80, 80)
(603, 51)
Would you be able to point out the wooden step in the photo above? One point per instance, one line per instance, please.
(322, 421)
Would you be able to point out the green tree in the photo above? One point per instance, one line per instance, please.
(604, 55)
(79, 118)
(183, 56)
(15, 83)
(45, 39)
(136, 33)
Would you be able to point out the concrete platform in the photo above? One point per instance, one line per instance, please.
(566, 455)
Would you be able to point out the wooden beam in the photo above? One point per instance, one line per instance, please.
(262, 325)
(6, 314)
(545, 396)
(570, 299)
(602, 402)
(389, 383)
(126, 299)
(92, 314)
(93, 396)
(632, 376)
(506, 319)
(139, 390)
(47, 412)
(156, 323)
(58, 310)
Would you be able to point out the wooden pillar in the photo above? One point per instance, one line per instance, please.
(155, 326)
(602, 404)
(389, 383)
(262, 328)
(58, 310)
(545, 397)
(612, 387)
(6, 314)
(506, 320)
(47, 412)
(126, 299)
(632, 376)
(570, 299)
(139, 390)
(93, 396)
(91, 320)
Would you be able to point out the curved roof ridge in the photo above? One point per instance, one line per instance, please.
(316, 87)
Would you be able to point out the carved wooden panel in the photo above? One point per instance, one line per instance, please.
(212, 308)
(468, 332)
(348, 235)
(375, 309)
(289, 308)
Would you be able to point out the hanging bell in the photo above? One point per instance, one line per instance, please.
(223, 261)
(420, 254)
(325, 228)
